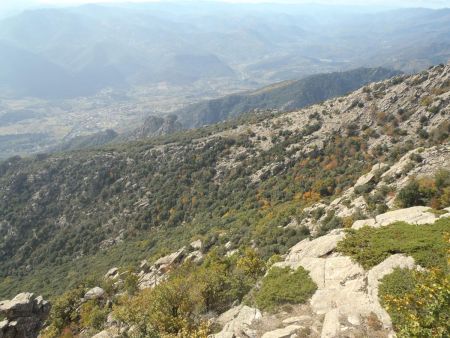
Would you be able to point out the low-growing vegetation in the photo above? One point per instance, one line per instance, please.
(432, 191)
(418, 302)
(425, 243)
(177, 307)
(284, 286)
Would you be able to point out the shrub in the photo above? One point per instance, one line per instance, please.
(63, 312)
(92, 315)
(177, 306)
(169, 308)
(441, 133)
(329, 223)
(284, 286)
(426, 101)
(426, 191)
(411, 195)
(251, 264)
(418, 302)
(370, 246)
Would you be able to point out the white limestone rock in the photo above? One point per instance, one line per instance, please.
(413, 215)
(112, 273)
(331, 325)
(285, 332)
(297, 319)
(109, 333)
(238, 320)
(196, 245)
(95, 293)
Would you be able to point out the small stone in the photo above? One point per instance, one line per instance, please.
(285, 332)
(112, 273)
(299, 319)
(197, 245)
(354, 319)
(331, 325)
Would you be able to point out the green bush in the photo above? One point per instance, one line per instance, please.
(63, 312)
(329, 223)
(432, 191)
(177, 306)
(92, 315)
(284, 286)
(418, 302)
(370, 246)
(413, 194)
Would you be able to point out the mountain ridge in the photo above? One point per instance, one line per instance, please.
(289, 95)
(62, 206)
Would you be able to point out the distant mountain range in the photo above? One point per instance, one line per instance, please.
(59, 53)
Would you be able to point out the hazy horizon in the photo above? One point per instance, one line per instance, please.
(13, 6)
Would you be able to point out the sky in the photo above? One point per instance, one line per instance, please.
(400, 3)
(11, 6)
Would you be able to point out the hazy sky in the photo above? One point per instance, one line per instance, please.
(402, 3)
(15, 5)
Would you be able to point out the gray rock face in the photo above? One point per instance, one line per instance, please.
(285, 332)
(346, 293)
(150, 276)
(25, 315)
(237, 322)
(414, 215)
(95, 293)
(112, 273)
(170, 259)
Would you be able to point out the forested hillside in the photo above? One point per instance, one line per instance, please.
(66, 216)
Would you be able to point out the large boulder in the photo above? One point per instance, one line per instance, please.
(150, 276)
(414, 215)
(25, 315)
(95, 293)
(237, 322)
(171, 259)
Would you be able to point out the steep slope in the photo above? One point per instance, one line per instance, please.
(89, 141)
(70, 215)
(283, 96)
(156, 126)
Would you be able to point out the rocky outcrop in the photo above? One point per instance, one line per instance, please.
(413, 215)
(112, 273)
(347, 295)
(417, 163)
(156, 126)
(150, 276)
(25, 315)
(237, 322)
(108, 333)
